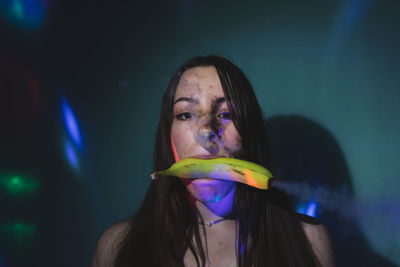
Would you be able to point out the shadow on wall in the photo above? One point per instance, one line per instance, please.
(306, 153)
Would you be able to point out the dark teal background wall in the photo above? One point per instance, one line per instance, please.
(328, 67)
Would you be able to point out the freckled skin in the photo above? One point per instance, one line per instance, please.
(202, 127)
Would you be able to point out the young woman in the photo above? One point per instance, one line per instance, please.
(210, 110)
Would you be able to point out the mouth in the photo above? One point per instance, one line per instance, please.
(207, 156)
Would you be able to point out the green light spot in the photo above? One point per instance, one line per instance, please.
(17, 233)
(20, 229)
(15, 184)
(17, 9)
(18, 184)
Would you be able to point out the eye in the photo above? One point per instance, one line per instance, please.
(184, 116)
(224, 115)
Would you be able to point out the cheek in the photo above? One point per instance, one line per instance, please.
(176, 139)
(180, 138)
(231, 139)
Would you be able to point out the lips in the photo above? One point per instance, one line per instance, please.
(207, 156)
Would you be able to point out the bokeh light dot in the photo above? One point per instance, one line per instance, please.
(311, 208)
(71, 123)
(71, 155)
(19, 184)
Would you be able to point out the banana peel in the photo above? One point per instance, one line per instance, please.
(229, 169)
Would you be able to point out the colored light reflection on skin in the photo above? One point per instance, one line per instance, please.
(176, 157)
(19, 233)
(71, 123)
(19, 184)
(26, 14)
(71, 155)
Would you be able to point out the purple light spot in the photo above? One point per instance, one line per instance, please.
(220, 131)
(71, 124)
(242, 248)
(71, 155)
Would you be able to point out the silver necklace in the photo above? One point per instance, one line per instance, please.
(209, 224)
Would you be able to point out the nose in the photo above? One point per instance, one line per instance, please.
(206, 134)
(206, 137)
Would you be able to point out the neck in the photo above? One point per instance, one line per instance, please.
(214, 210)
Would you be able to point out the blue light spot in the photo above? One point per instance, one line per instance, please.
(26, 14)
(2, 261)
(301, 208)
(17, 9)
(311, 208)
(242, 248)
(71, 124)
(71, 155)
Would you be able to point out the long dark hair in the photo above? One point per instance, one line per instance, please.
(164, 226)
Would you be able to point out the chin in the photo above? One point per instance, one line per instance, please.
(208, 199)
(209, 190)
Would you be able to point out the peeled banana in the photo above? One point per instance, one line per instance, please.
(229, 169)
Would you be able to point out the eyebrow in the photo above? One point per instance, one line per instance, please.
(192, 100)
(187, 99)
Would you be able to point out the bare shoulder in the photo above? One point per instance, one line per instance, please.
(108, 244)
(320, 240)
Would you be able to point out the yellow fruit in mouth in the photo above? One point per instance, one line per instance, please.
(230, 169)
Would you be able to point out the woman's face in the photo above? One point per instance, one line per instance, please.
(202, 127)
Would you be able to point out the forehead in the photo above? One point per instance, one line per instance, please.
(199, 82)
